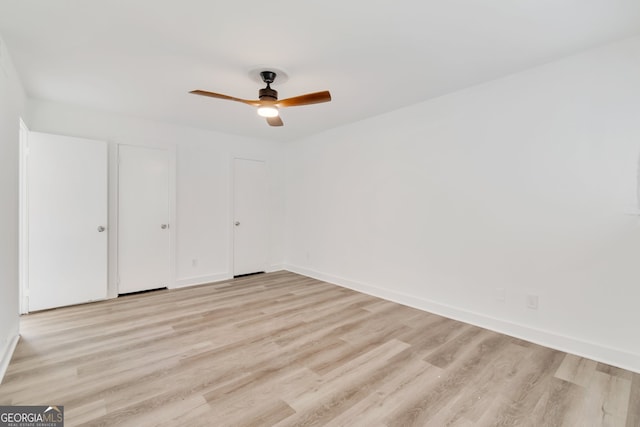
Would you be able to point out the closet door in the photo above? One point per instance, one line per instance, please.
(250, 235)
(143, 219)
(67, 220)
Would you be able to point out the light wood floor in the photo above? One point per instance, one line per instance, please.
(282, 349)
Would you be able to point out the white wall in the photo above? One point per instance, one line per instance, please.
(202, 167)
(519, 184)
(12, 100)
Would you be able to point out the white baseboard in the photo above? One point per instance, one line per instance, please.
(201, 280)
(7, 354)
(590, 350)
(275, 267)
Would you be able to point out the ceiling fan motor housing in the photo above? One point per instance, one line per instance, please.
(268, 94)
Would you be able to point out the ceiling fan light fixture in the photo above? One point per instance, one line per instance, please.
(267, 104)
(268, 111)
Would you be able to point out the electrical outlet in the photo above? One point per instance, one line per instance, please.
(532, 302)
(501, 295)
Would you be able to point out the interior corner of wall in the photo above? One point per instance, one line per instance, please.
(8, 347)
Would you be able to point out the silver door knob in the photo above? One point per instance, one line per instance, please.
(164, 226)
(237, 223)
(101, 229)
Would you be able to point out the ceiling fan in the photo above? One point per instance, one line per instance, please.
(268, 103)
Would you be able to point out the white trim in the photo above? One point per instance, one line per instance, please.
(113, 210)
(275, 267)
(590, 350)
(23, 256)
(173, 214)
(7, 354)
(231, 213)
(219, 277)
(201, 280)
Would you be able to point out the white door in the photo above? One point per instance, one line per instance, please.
(250, 211)
(66, 220)
(143, 219)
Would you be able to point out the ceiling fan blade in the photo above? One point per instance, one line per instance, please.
(227, 97)
(275, 121)
(310, 98)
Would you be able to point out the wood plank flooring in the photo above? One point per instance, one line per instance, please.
(281, 349)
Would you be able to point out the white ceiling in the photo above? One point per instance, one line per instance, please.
(141, 57)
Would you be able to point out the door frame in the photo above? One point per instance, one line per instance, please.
(23, 226)
(114, 183)
(232, 207)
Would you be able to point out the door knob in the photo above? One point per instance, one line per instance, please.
(101, 229)
(164, 226)
(237, 223)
